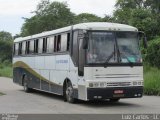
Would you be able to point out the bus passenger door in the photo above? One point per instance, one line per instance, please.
(81, 81)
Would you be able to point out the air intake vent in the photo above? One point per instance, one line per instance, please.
(118, 84)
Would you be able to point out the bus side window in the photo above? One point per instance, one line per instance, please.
(55, 43)
(20, 48)
(16, 48)
(63, 46)
(23, 47)
(31, 47)
(75, 48)
(40, 46)
(27, 47)
(45, 45)
(50, 44)
(68, 41)
(59, 43)
(36, 46)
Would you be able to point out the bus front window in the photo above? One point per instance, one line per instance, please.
(107, 47)
(128, 45)
(101, 47)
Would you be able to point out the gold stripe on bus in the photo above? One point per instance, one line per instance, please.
(23, 65)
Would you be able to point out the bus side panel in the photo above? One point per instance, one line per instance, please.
(73, 76)
(50, 66)
(47, 73)
(44, 83)
(61, 71)
(17, 72)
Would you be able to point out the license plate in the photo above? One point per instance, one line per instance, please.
(118, 92)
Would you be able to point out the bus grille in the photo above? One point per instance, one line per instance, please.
(118, 84)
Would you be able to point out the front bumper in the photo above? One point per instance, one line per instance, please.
(108, 93)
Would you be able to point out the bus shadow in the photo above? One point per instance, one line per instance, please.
(46, 94)
(92, 104)
(106, 103)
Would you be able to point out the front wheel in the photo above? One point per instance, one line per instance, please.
(25, 85)
(69, 93)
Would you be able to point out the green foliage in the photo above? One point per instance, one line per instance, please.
(5, 50)
(122, 15)
(54, 15)
(108, 18)
(143, 14)
(86, 17)
(6, 69)
(133, 4)
(145, 21)
(151, 80)
(5, 46)
(5, 36)
(154, 5)
(49, 16)
(153, 53)
(5, 54)
(141, 18)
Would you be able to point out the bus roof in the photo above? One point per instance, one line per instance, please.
(86, 26)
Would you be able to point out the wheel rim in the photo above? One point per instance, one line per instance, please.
(25, 86)
(69, 93)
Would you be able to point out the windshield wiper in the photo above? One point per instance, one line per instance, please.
(109, 58)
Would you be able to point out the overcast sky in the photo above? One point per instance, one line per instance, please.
(12, 11)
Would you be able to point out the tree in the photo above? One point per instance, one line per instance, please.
(122, 15)
(145, 21)
(132, 4)
(139, 13)
(49, 16)
(154, 5)
(5, 51)
(87, 17)
(108, 18)
(5, 46)
(5, 36)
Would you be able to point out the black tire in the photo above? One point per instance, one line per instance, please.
(25, 85)
(114, 100)
(69, 93)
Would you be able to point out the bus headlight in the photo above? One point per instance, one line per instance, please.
(135, 83)
(138, 83)
(102, 84)
(97, 84)
(91, 85)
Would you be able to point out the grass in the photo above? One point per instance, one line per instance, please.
(151, 80)
(6, 70)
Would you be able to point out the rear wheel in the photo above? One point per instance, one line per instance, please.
(25, 85)
(69, 94)
(114, 100)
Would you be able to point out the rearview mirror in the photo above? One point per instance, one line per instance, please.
(85, 41)
(143, 35)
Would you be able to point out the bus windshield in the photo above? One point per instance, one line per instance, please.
(129, 47)
(107, 47)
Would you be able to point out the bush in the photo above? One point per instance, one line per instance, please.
(6, 69)
(5, 51)
(153, 53)
(151, 80)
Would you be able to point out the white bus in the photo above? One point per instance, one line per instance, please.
(88, 61)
